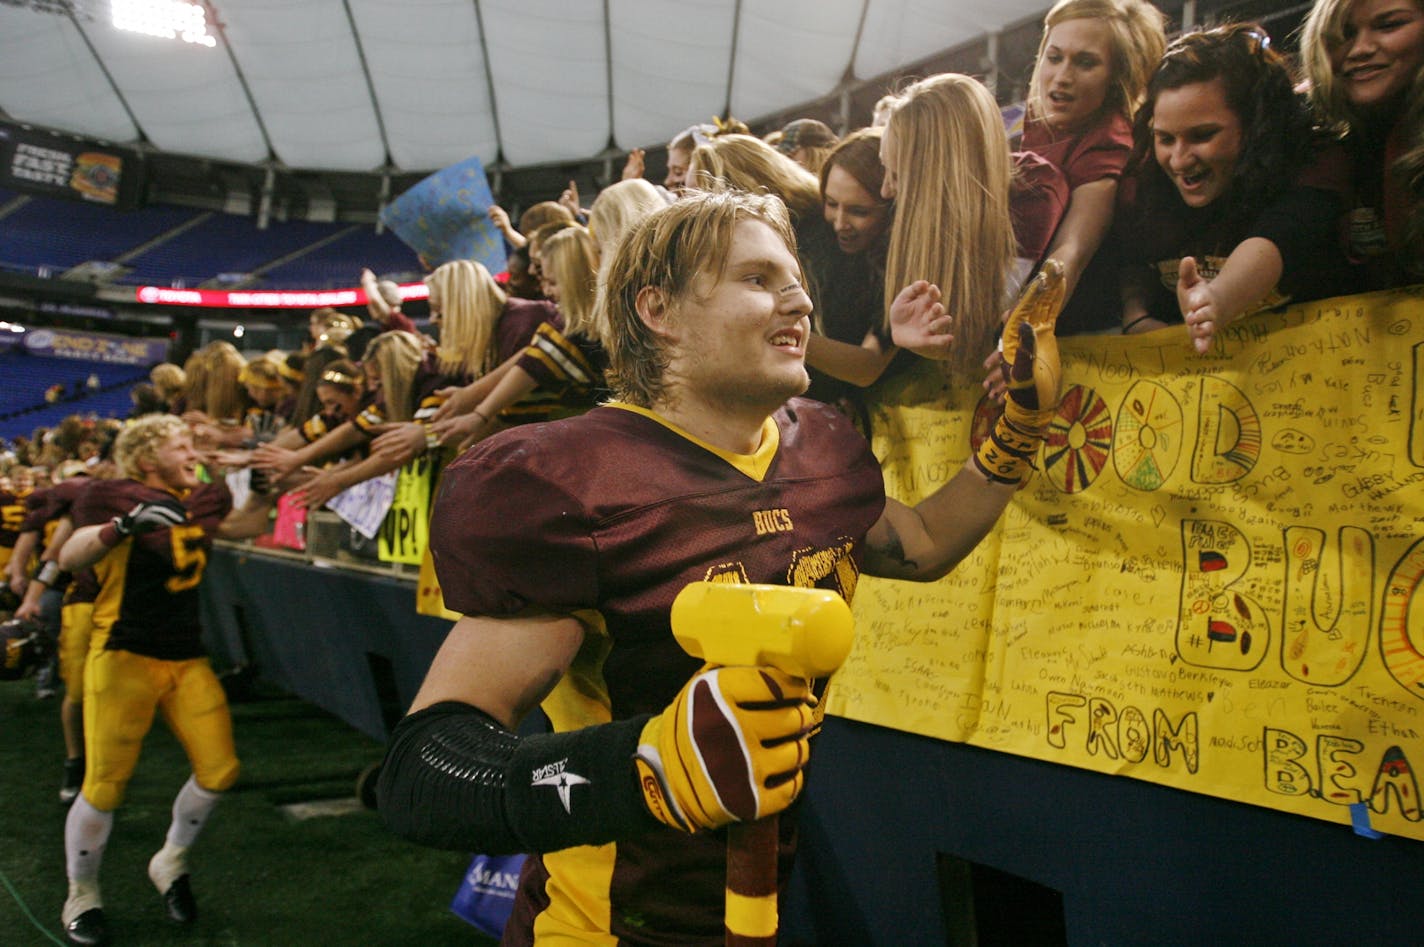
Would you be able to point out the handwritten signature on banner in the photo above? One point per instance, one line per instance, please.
(1215, 580)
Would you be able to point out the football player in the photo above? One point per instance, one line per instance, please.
(12, 515)
(147, 537)
(563, 544)
(49, 517)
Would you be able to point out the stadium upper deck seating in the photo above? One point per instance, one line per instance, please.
(26, 378)
(191, 247)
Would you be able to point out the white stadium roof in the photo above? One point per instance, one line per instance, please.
(380, 86)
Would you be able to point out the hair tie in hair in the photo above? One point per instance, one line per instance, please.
(338, 378)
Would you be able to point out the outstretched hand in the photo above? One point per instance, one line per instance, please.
(996, 379)
(1031, 367)
(1197, 300)
(457, 401)
(278, 461)
(233, 459)
(500, 218)
(315, 493)
(457, 429)
(400, 442)
(919, 323)
(570, 199)
(1032, 375)
(634, 167)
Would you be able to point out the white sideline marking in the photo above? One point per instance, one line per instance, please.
(320, 808)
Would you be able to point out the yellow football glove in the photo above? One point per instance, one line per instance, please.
(1033, 373)
(731, 747)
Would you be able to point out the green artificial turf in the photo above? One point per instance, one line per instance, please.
(261, 878)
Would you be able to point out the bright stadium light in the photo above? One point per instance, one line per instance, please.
(167, 19)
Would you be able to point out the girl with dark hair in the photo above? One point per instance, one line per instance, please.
(845, 261)
(1235, 210)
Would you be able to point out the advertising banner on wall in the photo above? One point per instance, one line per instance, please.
(57, 166)
(95, 347)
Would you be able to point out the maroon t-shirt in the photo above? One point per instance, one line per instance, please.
(519, 321)
(148, 599)
(615, 512)
(1038, 199)
(1098, 152)
(398, 321)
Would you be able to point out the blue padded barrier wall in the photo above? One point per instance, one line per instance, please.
(309, 630)
(1136, 863)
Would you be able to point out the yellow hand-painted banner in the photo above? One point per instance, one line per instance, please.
(405, 530)
(1214, 581)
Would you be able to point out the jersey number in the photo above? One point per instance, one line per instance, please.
(12, 516)
(189, 557)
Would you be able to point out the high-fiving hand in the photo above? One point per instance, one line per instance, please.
(1033, 376)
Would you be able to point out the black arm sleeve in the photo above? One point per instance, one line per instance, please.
(454, 778)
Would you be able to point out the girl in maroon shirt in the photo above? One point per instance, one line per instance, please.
(1093, 64)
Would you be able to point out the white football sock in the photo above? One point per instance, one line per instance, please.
(191, 809)
(86, 832)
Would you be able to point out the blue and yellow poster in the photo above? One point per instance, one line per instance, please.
(446, 217)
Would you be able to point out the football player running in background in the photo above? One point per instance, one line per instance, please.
(147, 536)
(55, 597)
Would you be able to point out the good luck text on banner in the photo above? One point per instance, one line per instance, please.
(1215, 580)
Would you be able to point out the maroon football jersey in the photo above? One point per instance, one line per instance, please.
(148, 599)
(13, 507)
(614, 511)
(429, 378)
(47, 506)
(45, 509)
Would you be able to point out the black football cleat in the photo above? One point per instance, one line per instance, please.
(178, 902)
(88, 929)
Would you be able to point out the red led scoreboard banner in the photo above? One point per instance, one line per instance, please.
(264, 299)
